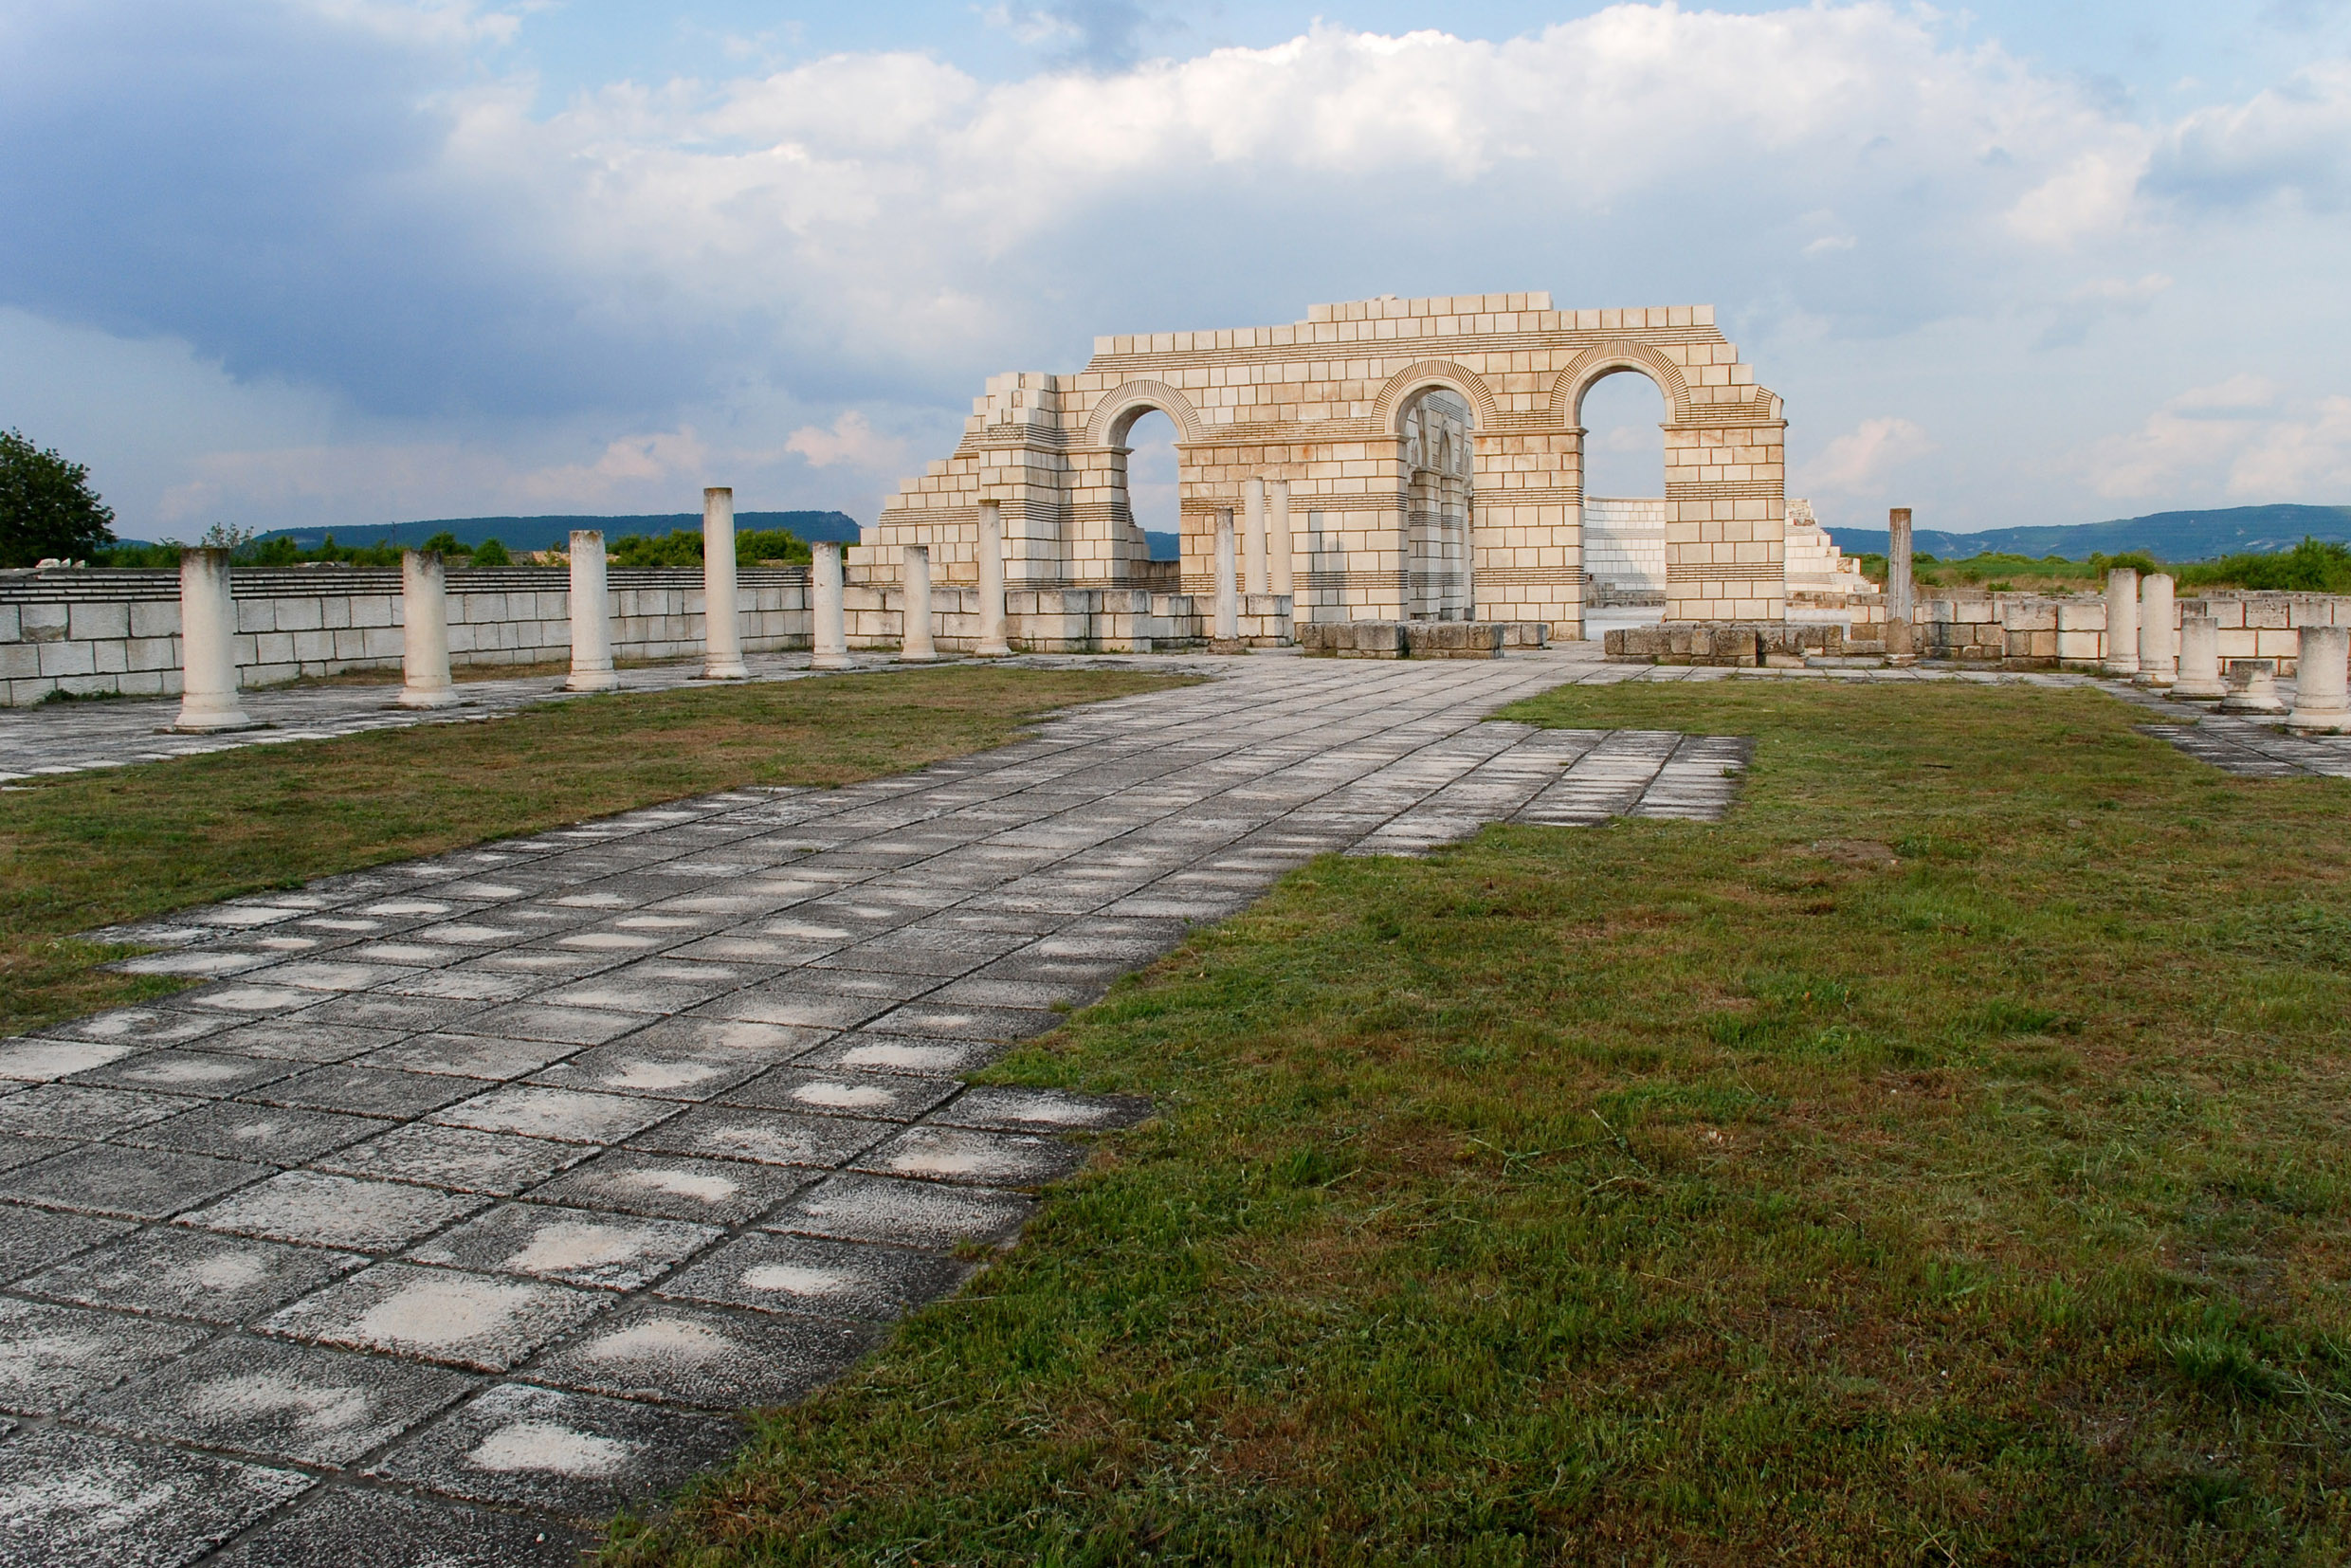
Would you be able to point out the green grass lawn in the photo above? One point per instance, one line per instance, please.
(1666, 1193)
(89, 849)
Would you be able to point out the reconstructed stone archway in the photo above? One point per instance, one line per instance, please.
(1329, 405)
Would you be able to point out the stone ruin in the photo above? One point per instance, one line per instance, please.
(1383, 460)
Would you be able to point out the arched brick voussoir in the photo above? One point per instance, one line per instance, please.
(1389, 406)
(1605, 360)
(1121, 406)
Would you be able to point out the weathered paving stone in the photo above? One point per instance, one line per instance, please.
(367, 1091)
(483, 1323)
(575, 1454)
(348, 1528)
(302, 1041)
(796, 1008)
(73, 1498)
(382, 1009)
(576, 1246)
(709, 1192)
(184, 1274)
(464, 1159)
(268, 1399)
(245, 998)
(336, 1211)
(770, 1043)
(127, 1183)
(565, 1114)
(661, 1072)
(863, 1051)
(1002, 1108)
(770, 1138)
(573, 1026)
(52, 1355)
(989, 1160)
(68, 1110)
(467, 1056)
(930, 1019)
(713, 1360)
(853, 1207)
(19, 1149)
(884, 1096)
(141, 1026)
(786, 1273)
(38, 1061)
(277, 1134)
(185, 1072)
(32, 1238)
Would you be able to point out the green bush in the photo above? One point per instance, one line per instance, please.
(48, 508)
(491, 552)
(2314, 566)
(682, 547)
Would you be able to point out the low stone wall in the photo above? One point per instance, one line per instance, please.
(1736, 643)
(1419, 639)
(2049, 631)
(89, 632)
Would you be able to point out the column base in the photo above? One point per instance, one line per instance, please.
(2199, 691)
(592, 680)
(918, 658)
(992, 650)
(214, 724)
(832, 661)
(2329, 722)
(725, 672)
(426, 697)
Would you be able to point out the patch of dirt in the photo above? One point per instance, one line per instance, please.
(1858, 851)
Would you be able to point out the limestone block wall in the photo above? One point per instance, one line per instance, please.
(90, 632)
(1625, 549)
(1330, 405)
(2071, 630)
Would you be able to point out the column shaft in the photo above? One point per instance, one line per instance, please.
(2199, 659)
(1228, 590)
(1901, 586)
(723, 631)
(1253, 535)
(2158, 662)
(425, 631)
(828, 642)
(915, 645)
(591, 616)
(208, 644)
(992, 640)
(2321, 681)
(1277, 545)
(2122, 621)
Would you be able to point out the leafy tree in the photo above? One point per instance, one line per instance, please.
(491, 552)
(446, 543)
(47, 505)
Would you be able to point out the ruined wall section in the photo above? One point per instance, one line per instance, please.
(1322, 404)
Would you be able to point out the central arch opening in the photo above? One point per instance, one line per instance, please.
(1624, 484)
(1153, 501)
(1440, 465)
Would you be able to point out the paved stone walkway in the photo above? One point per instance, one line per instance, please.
(466, 1198)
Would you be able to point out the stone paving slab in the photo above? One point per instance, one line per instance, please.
(505, 1178)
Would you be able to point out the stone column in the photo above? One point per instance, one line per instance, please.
(208, 644)
(2321, 681)
(591, 616)
(1228, 590)
(1901, 593)
(2158, 664)
(425, 631)
(1278, 535)
(914, 642)
(2199, 659)
(828, 643)
(992, 640)
(1253, 535)
(2122, 621)
(723, 629)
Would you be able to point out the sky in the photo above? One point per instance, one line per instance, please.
(280, 262)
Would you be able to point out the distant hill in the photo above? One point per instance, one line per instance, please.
(2166, 536)
(545, 533)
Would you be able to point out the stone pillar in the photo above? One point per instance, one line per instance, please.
(829, 645)
(723, 629)
(1253, 535)
(1901, 593)
(425, 631)
(2252, 688)
(914, 642)
(208, 644)
(2158, 664)
(2122, 621)
(2199, 659)
(1278, 535)
(992, 640)
(2322, 682)
(591, 616)
(1228, 591)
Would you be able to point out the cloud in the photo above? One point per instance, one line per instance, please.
(2291, 142)
(2232, 439)
(1863, 458)
(851, 440)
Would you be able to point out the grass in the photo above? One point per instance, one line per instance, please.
(1667, 1192)
(89, 849)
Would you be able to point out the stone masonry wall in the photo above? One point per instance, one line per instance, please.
(2047, 630)
(90, 632)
